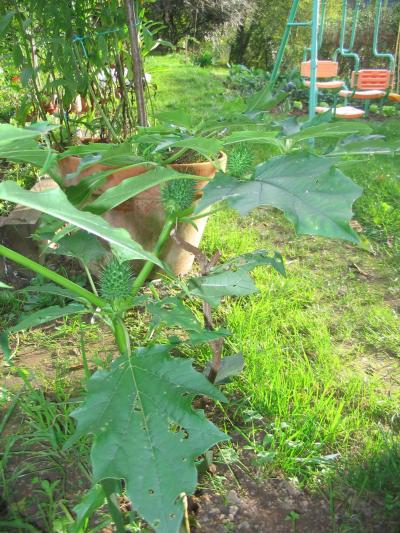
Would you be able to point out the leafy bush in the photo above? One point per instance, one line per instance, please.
(246, 80)
(203, 59)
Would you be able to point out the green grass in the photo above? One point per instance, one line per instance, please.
(318, 400)
(321, 346)
(196, 90)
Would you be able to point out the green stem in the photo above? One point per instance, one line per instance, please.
(201, 215)
(121, 337)
(83, 353)
(53, 276)
(90, 279)
(148, 266)
(113, 506)
(114, 135)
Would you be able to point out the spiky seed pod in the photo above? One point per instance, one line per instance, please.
(116, 281)
(240, 161)
(178, 195)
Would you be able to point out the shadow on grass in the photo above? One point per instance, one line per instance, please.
(366, 494)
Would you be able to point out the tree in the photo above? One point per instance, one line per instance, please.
(197, 17)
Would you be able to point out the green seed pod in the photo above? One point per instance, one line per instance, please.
(116, 281)
(177, 195)
(240, 161)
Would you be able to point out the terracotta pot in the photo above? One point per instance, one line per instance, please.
(143, 216)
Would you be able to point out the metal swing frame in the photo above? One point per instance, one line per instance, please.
(316, 24)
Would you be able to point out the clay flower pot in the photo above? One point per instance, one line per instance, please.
(144, 216)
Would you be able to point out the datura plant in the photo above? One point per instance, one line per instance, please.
(147, 435)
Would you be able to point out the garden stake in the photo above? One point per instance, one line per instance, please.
(137, 63)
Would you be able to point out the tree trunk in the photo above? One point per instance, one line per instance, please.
(240, 45)
(137, 64)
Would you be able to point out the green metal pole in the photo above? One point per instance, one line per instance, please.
(354, 25)
(389, 57)
(281, 50)
(314, 60)
(346, 52)
(321, 24)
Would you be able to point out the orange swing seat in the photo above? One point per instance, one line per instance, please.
(325, 69)
(329, 69)
(368, 84)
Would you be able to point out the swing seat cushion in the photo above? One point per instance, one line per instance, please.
(325, 69)
(370, 79)
(346, 112)
(333, 84)
(363, 95)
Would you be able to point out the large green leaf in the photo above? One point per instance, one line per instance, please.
(331, 130)
(213, 287)
(5, 21)
(10, 134)
(176, 118)
(251, 260)
(112, 155)
(82, 246)
(80, 192)
(132, 186)
(255, 137)
(265, 100)
(314, 195)
(55, 203)
(147, 432)
(367, 144)
(208, 147)
(25, 150)
(43, 316)
(55, 290)
(172, 312)
(232, 278)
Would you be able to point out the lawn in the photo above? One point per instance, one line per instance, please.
(316, 407)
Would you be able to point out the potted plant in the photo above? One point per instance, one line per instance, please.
(172, 148)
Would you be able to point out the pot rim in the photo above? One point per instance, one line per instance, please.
(222, 156)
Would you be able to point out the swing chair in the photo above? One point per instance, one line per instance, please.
(322, 75)
(373, 83)
(326, 70)
(346, 112)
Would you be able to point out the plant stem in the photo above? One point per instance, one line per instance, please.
(148, 266)
(28, 51)
(113, 506)
(96, 103)
(121, 337)
(83, 353)
(53, 276)
(90, 279)
(137, 63)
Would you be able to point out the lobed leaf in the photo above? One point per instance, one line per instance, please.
(172, 312)
(232, 278)
(314, 195)
(147, 432)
